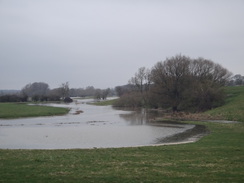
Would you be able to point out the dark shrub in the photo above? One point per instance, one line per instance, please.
(10, 98)
(68, 100)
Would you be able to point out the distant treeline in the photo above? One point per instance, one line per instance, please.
(40, 91)
(179, 83)
(236, 80)
(9, 92)
(13, 98)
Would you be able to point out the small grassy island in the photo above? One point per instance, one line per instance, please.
(17, 110)
(104, 102)
(218, 157)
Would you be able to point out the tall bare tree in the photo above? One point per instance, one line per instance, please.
(64, 89)
(182, 82)
(141, 81)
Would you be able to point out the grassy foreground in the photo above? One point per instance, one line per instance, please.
(16, 110)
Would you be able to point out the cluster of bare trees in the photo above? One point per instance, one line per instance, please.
(40, 91)
(101, 94)
(91, 91)
(82, 92)
(179, 83)
(236, 80)
(37, 91)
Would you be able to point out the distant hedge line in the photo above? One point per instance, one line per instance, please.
(20, 98)
(13, 98)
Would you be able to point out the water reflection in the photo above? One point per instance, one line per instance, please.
(140, 116)
(96, 126)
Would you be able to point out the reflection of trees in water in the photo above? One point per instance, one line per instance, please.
(140, 116)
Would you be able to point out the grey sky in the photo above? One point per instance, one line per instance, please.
(102, 43)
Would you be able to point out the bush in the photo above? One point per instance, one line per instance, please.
(53, 98)
(130, 100)
(68, 100)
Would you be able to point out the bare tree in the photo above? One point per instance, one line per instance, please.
(237, 80)
(141, 81)
(182, 82)
(98, 94)
(101, 94)
(105, 93)
(64, 89)
(171, 80)
(36, 90)
(55, 94)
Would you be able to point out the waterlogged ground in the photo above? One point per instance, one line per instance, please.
(86, 126)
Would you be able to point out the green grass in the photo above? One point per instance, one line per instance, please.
(218, 157)
(105, 102)
(233, 110)
(17, 110)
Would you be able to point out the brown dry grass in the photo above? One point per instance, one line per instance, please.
(184, 116)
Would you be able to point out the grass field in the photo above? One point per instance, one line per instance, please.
(218, 157)
(16, 110)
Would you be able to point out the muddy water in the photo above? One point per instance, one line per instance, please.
(96, 126)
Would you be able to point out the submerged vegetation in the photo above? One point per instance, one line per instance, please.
(17, 110)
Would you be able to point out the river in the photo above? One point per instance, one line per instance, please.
(95, 127)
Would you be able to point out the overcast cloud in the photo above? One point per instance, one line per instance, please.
(102, 43)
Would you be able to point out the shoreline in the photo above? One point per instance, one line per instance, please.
(189, 136)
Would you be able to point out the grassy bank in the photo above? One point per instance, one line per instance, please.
(16, 110)
(233, 110)
(218, 157)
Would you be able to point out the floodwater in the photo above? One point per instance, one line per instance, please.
(95, 127)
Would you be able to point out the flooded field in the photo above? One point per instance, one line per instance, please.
(86, 126)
